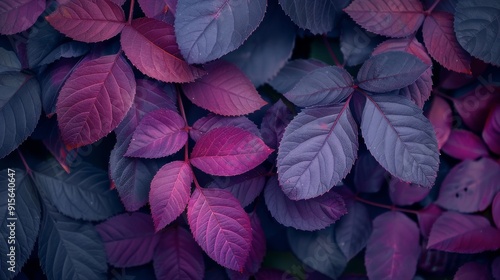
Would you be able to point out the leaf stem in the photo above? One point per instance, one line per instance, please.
(331, 52)
(131, 11)
(390, 207)
(429, 11)
(181, 104)
(25, 163)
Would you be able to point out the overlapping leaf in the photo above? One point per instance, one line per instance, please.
(19, 15)
(491, 131)
(463, 144)
(9, 61)
(293, 72)
(403, 193)
(441, 118)
(211, 121)
(353, 230)
(356, 44)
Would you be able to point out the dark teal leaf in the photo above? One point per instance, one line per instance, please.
(9, 61)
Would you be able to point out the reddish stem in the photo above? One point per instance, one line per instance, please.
(429, 11)
(331, 52)
(390, 207)
(131, 11)
(26, 166)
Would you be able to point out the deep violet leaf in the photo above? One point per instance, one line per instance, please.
(129, 239)
(393, 18)
(353, 230)
(403, 193)
(491, 131)
(9, 61)
(170, 191)
(225, 90)
(495, 268)
(95, 99)
(442, 44)
(163, 10)
(390, 71)
(220, 226)
(473, 270)
(400, 138)
(207, 30)
(211, 121)
(475, 106)
(462, 233)
(19, 15)
(66, 50)
(323, 86)
(20, 109)
(477, 28)
(70, 249)
(369, 176)
(427, 217)
(318, 16)
(356, 44)
(393, 248)
(470, 186)
(310, 214)
(267, 50)
(88, 20)
(150, 45)
(228, 151)
(441, 118)
(273, 125)
(177, 256)
(463, 144)
(292, 72)
(315, 139)
(495, 210)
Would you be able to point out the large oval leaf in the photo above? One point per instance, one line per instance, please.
(95, 99)
(220, 226)
(353, 230)
(400, 138)
(317, 151)
(207, 30)
(19, 15)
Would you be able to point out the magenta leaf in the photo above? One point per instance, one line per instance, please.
(178, 256)
(427, 217)
(159, 134)
(220, 226)
(88, 20)
(228, 151)
(95, 99)
(442, 44)
(475, 105)
(315, 136)
(207, 30)
(463, 144)
(369, 176)
(461, 233)
(150, 45)
(274, 123)
(393, 18)
(225, 90)
(310, 214)
(393, 248)
(403, 193)
(441, 118)
(473, 270)
(491, 131)
(211, 121)
(163, 10)
(495, 210)
(353, 230)
(293, 72)
(19, 15)
(129, 239)
(170, 191)
(470, 186)
(323, 86)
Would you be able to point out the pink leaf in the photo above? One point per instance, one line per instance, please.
(220, 226)
(475, 105)
(393, 18)
(440, 116)
(461, 233)
(19, 15)
(473, 270)
(495, 210)
(170, 191)
(178, 256)
(163, 10)
(225, 90)
(95, 99)
(159, 134)
(427, 217)
(442, 44)
(229, 151)
(403, 193)
(491, 131)
(463, 144)
(211, 121)
(88, 20)
(150, 45)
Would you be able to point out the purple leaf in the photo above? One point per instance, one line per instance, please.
(178, 256)
(353, 230)
(491, 131)
(427, 217)
(495, 268)
(403, 193)
(323, 86)
(390, 71)
(150, 45)
(461, 233)
(400, 138)
(159, 134)
(220, 226)
(310, 214)
(473, 270)
(211, 121)
(19, 15)
(88, 21)
(170, 191)
(470, 186)
(393, 248)
(293, 71)
(369, 176)
(316, 138)
(228, 151)
(441, 118)
(163, 10)
(356, 44)
(495, 210)
(207, 30)
(129, 239)
(463, 144)
(225, 90)
(393, 18)
(273, 125)
(475, 105)
(442, 44)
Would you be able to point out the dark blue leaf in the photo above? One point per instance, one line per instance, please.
(66, 50)
(293, 71)
(369, 176)
(273, 125)
(356, 44)
(353, 230)
(9, 61)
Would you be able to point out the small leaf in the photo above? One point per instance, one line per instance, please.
(220, 226)
(293, 72)
(473, 270)
(491, 131)
(369, 176)
(19, 15)
(475, 105)
(163, 10)
(393, 248)
(463, 144)
(441, 118)
(404, 194)
(211, 121)
(353, 230)
(9, 61)
(316, 138)
(427, 217)
(461, 233)
(88, 20)
(228, 151)
(274, 123)
(225, 90)
(356, 44)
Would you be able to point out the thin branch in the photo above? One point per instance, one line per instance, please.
(131, 11)
(390, 207)
(331, 52)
